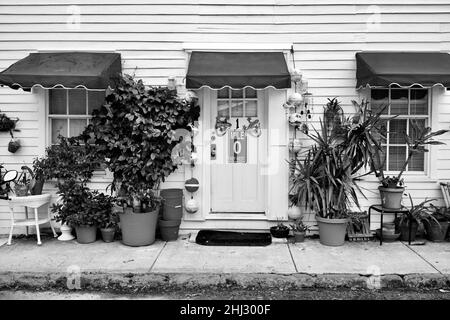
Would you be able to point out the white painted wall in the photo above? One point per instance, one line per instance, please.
(150, 35)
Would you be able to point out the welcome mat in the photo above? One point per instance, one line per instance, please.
(231, 238)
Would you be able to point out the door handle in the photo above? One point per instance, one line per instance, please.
(213, 151)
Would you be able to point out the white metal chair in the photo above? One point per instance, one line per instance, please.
(34, 202)
(445, 187)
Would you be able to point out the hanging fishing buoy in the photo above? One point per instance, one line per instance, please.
(192, 185)
(191, 206)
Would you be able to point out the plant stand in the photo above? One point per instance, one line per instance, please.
(379, 208)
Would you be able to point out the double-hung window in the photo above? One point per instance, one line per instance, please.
(409, 105)
(69, 111)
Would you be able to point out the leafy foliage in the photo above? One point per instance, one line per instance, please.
(69, 159)
(299, 225)
(326, 179)
(420, 212)
(134, 133)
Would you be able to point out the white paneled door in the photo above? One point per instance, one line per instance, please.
(237, 150)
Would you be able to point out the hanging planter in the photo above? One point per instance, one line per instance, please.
(7, 124)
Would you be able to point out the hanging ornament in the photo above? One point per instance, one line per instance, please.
(191, 185)
(222, 125)
(296, 75)
(295, 119)
(295, 99)
(295, 145)
(191, 206)
(294, 212)
(253, 127)
(287, 106)
(190, 96)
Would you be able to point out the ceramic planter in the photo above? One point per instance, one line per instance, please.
(299, 236)
(108, 234)
(173, 204)
(86, 234)
(436, 232)
(391, 198)
(332, 231)
(138, 229)
(279, 233)
(169, 229)
(404, 230)
(38, 186)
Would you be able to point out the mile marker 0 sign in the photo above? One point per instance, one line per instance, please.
(237, 147)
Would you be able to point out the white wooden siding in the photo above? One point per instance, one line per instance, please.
(150, 36)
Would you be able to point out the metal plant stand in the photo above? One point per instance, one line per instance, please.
(379, 208)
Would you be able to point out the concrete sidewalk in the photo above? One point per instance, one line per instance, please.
(184, 264)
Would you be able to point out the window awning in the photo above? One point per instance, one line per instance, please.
(90, 70)
(237, 70)
(382, 69)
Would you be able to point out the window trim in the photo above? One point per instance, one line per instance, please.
(427, 172)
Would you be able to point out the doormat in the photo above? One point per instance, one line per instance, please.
(231, 238)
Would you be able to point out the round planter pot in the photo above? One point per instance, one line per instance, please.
(138, 229)
(173, 204)
(391, 198)
(86, 234)
(436, 232)
(332, 231)
(299, 236)
(38, 186)
(169, 229)
(108, 234)
(279, 233)
(404, 231)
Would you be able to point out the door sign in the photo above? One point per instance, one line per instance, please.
(237, 152)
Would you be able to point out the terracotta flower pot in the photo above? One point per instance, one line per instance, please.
(138, 229)
(279, 233)
(299, 236)
(404, 230)
(391, 198)
(86, 234)
(332, 231)
(108, 234)
(435, 231)
(169, 229)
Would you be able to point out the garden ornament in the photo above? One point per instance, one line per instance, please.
(295, 119)
(295, 99)
(222, 125)
(253, 128)
(191, 206)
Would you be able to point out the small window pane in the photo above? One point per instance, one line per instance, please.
(77, 126)
(382, 131)
(223, 93)
(397, 131)
(379, 99)
(250, 93)
(59, 127)
(57, 101)
(95, 100)
(417, 162)
(237, 108)
(222, 109)
(237, 93)
(419, 102)
(397, 158)
(251, 109)
(77, 101)
(399, 101)
(414, 130)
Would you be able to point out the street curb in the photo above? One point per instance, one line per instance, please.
(152, 282)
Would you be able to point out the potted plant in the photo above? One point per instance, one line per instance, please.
(325, 180)
(436, 229)
(101, 206)
(419, 213)
(134, 133)
(75, 210)
(299, 230)
(392, 188)
(39, 175)
(279, 231)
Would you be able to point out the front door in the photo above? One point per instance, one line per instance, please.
(238, 147)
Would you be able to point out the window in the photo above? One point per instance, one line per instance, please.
(69, 111)
(237, 103)
(408, 104)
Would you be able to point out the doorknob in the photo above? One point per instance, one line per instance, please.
(213, 151)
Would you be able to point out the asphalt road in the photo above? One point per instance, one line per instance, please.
(307, 294)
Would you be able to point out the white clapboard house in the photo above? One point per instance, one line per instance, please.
(350, 49)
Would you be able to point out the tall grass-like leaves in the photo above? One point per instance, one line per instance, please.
(326, 179)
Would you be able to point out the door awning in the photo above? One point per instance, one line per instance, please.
(90, 70)
(237, 70)
(382, 69)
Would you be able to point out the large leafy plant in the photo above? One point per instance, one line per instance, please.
(134, 133)
(325, 180)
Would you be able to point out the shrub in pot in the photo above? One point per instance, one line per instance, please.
(392, 188)
(101, 206)
(279, 231)
(134, 132)
(419, 213)
(436, 229)
(299, 230)
(325, 180)
(74, 209)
